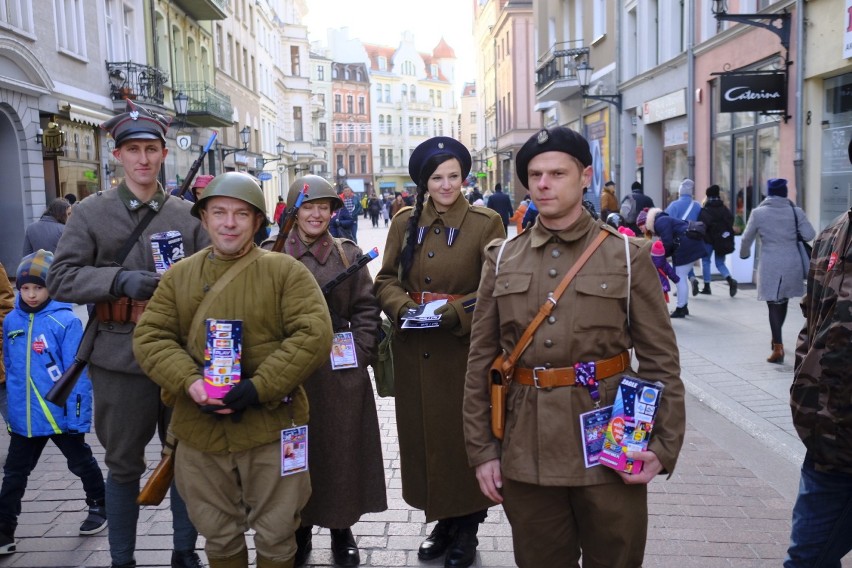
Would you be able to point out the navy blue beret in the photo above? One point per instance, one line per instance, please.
(433, 147)
(556, 139)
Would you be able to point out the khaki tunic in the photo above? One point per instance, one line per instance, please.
(542, 442)
(430, 364)
(347, 469)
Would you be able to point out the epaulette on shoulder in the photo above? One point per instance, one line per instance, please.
(406, 208)
(494, 244)
(637, 242)
(498, 242)
(484, 211)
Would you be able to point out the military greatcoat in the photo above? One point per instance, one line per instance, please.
(429, 365)
(347, 470)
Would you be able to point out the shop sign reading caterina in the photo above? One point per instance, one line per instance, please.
(753, 92)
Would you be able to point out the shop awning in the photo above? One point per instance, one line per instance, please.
(87, 115)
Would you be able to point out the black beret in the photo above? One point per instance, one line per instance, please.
(137, 123)
(433, 147)
(557, 139)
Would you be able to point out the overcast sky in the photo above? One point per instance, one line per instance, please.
(382, 22)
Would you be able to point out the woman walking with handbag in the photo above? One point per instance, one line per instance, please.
(779, 269)
(435, 251)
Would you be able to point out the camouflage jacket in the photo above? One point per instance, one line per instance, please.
(822, 383)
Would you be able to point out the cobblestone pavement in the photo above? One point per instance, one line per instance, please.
(727, 504)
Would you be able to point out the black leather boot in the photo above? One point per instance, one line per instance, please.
(437, 542)
(303, 545)
(462, 553)
(343, 548)
(732, 286)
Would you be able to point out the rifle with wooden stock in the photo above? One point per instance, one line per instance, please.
(161, 478)
(288, 220)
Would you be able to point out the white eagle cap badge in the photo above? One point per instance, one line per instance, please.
(441, 145)
(134, 114)
(542, 137)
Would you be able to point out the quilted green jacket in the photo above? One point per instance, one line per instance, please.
(286, 336)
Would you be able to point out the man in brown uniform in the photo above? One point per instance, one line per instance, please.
(559, 508)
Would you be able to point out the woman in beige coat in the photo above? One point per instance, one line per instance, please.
(435, 251)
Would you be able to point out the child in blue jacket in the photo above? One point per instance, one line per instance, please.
(40, 340)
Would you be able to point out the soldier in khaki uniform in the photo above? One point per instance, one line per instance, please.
(558, 508)
(440, 246)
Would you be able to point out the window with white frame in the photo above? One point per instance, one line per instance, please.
(70, 27)
(599, 18)
(17, 14)
(381, 124)
(378, 92)
(383, 63)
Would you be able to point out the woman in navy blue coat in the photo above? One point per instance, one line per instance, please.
(683, 250)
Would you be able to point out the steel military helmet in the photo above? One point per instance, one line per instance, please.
(318, 188)
(236, 185)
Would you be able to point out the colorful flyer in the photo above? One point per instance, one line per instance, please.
(593, 426)
(294, 450)
(222, 355)
(343, 354)
(629, 429)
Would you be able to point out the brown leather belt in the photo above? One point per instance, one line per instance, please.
(421, 297)
(122, 310)
(564, 376)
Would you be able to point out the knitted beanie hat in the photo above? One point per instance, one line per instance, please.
(777, 187)
(713, 191)
(642, 218)
(657, 249)
(33, 268)
(687, 186)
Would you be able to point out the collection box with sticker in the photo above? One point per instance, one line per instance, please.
(222, 355)
(631, 422)
(167, 248)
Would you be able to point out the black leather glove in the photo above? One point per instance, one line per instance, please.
(241, 396)
(449, 316)
(136, 284)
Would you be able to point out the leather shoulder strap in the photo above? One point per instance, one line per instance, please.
(198, 320)
(546, 308)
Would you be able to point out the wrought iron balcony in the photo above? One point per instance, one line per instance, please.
(135, 81)
(556, 71)
(203, 9)
(207, 106)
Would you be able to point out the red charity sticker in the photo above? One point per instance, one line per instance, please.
(38, 346)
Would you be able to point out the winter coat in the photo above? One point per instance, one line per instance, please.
(430, 363)
(672, 232)
(779, 265)
(341, 224)
(665, 271)
(83, 268)
(43, 234)
(542, 442)
(345, 451)
(679, 207)
(500, 202)
(286, 335)
(720, 226)
(34, 342)
(822, 388)
(518, 216)
(609, 203)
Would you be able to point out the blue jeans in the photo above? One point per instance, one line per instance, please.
(720, 263)
(822, 519)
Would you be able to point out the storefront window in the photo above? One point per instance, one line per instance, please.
(675, 170)
(78, 170)
(836, 187)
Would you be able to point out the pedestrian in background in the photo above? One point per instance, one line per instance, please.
(609, 202)
(42, 339)
(719, 238)
(280, 207)
(520, 212)
(776, 221)
(665, 270)
(435, 251)
(500, 202)
(345, 450)
(128, 408)
(397, 204)
(683, 250)
(386, 205)
(560, 509)
(686, 208)
(819, 398)
(45, 233)
(230, 461)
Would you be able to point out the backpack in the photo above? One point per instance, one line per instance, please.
(629, 210)
(696, 230)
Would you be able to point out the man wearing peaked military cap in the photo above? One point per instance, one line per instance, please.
(573, 364)
(87, 270)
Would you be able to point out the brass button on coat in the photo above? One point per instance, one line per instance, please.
(430, 254)
(551, 320)
(554, 253)
(437, 231)
(425, 355)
